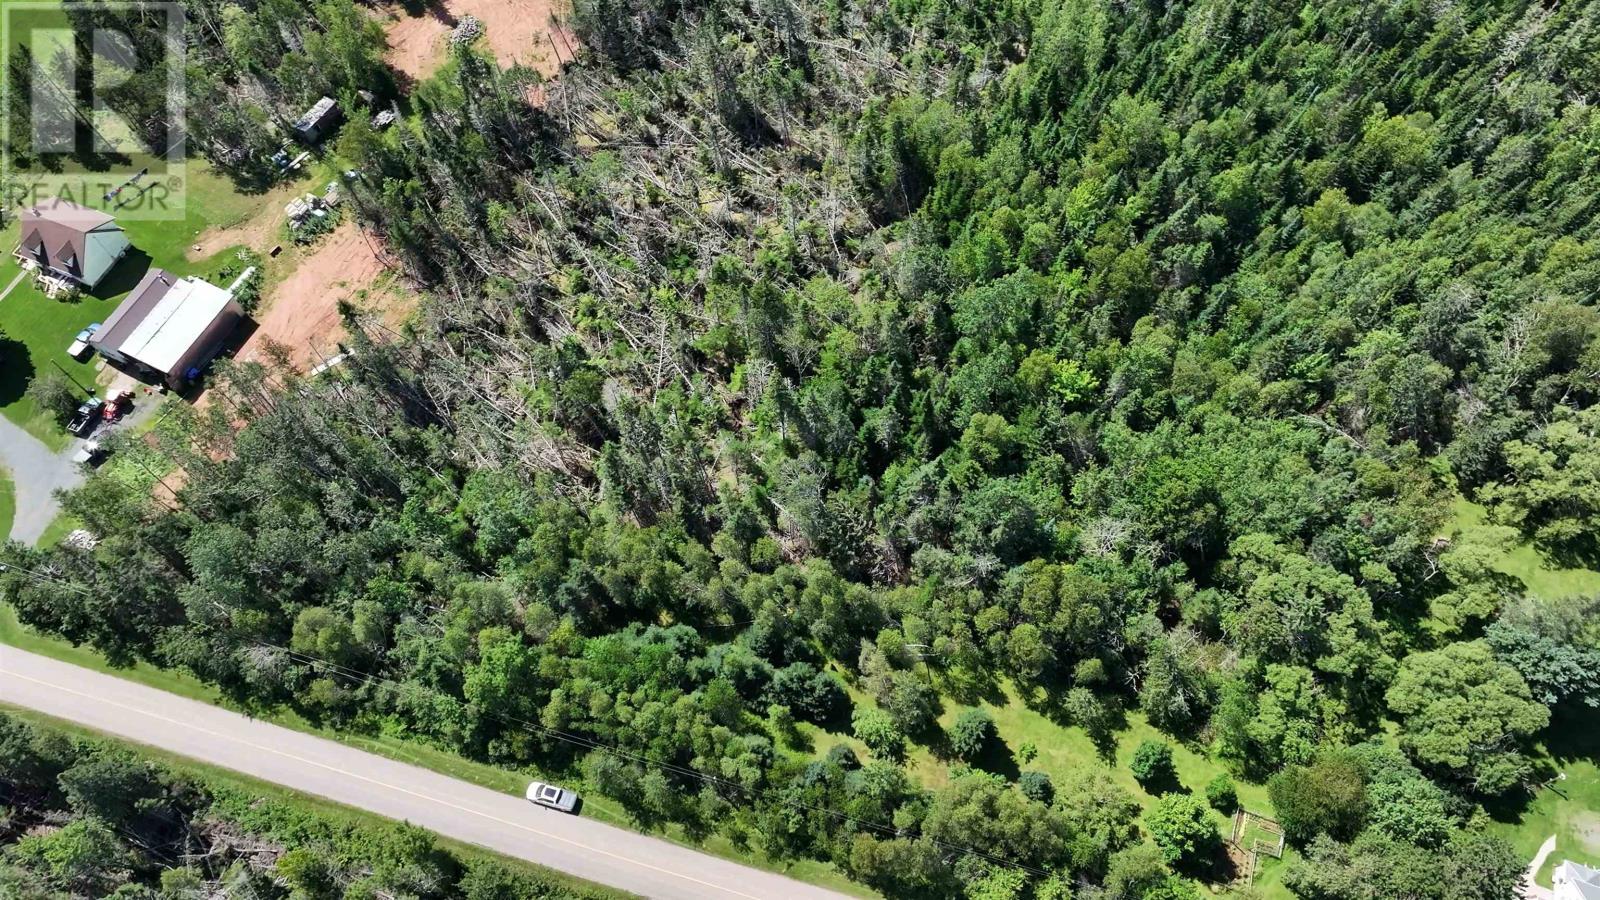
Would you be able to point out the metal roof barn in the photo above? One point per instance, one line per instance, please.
(168, 324)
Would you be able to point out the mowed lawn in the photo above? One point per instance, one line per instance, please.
(1568, 808)
(8, 504)
(40, 329)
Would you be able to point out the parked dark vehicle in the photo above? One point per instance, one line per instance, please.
(87, 417)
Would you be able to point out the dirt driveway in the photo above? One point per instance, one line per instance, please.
(301, 313)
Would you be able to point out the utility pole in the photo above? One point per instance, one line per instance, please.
(75, 381)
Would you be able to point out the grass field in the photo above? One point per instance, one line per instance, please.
(336, 813)
(8, 503)
(1066, 749)
(59, 527)
(1569, 808)
(1523, 561)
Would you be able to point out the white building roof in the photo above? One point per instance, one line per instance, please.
(176, 322)
(1575, 881)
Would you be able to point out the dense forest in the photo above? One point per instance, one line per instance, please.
(846, 362)
(89, 819)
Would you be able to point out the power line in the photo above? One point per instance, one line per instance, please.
(591, 743)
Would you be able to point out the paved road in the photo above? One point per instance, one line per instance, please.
(38, 472)
(507, 824)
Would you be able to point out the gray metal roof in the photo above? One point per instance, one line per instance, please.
(132, 311)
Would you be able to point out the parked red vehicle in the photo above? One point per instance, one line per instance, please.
(118, 406)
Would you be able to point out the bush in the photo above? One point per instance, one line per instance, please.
(313, 227)
(1182, 827)
(812, 695)
(248, 293)
(875, 729)
(112, 785)
(1089, 672)
(1152, 765)
(842, 756)
(781, 718)
(54, 394)
(1028, 752)
(1135, 871)
(1037, 786)
(1327, 797)
(1097, 716)
(1222, 795)
(970, 733)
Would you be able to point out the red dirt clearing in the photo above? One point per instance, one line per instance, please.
(302, 311)
(516, 31)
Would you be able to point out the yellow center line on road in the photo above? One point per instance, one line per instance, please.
(335, 769)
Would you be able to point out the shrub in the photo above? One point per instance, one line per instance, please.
(875, 729)
(248, 293)
(1152, 765)
(1028, 752)
(54, 394)
(1037, 786)
(1097, 716)
(1222, 795)
(783, 725)
(842, 756)
(812, 695)
(970, 733)
(1089, 672)
(1182, 827)
(1327, 797)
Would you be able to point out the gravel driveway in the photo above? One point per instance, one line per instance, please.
(37, 472)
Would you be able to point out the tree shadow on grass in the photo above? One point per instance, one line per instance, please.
(972, 688)
(1572, 736)
(1162, 783)
(16, 370)
(1111, 719)
(1574, 733)
(1577, 554)
(1216, 867)
(994, 757)
(997, 758)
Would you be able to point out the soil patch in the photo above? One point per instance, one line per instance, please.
(516, 31)
(301, 312)
(1586, 828)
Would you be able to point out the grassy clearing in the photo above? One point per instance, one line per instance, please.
(327, 809)
(57, 531)
(1569, 808)
(38, 330)
(1064, 750)
(400, 748)
(1523, 561)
